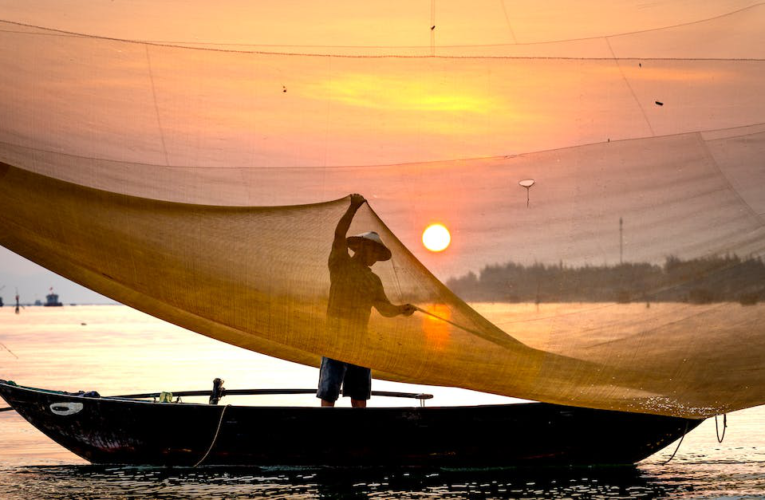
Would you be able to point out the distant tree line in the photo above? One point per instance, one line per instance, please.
(700, 281)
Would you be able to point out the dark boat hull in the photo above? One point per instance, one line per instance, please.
(120, 431)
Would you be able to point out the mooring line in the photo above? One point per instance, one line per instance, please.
(215, 438)
(725, 427)
(678, 445)
(6, 348)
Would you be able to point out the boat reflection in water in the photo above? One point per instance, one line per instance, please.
(72, 482)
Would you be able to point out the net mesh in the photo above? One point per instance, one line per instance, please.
(191, 180)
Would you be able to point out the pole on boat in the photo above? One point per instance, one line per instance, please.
(217, 392)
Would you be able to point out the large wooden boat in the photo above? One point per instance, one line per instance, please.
(138, 429)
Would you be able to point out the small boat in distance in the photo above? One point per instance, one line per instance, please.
(51, 300)
(156, 429)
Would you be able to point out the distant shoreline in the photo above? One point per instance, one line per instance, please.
(697, 281)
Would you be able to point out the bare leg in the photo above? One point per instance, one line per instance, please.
(358, 403)
(326, 403)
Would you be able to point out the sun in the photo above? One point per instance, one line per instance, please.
(436, 237)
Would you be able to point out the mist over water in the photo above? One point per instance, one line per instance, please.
(114, 349)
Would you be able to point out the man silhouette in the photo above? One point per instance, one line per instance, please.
(354, 290)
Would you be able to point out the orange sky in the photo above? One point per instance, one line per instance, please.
(393, 23)
(163, 105)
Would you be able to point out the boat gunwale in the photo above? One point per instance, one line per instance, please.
(123, 399)
(519, 405)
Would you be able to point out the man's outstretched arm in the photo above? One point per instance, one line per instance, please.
(389, 310)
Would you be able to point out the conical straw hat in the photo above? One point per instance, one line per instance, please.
(371, 238)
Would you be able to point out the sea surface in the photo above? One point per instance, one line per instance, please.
(114, 349)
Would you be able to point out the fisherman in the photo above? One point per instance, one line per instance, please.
(354, 290)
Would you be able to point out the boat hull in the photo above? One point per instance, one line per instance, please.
(120, 431)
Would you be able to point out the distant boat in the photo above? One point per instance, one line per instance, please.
(51, 300)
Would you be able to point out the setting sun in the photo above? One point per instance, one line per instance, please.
(436, 238)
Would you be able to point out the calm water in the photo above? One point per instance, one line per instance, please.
(114, 349)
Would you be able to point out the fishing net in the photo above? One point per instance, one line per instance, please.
(202, 182)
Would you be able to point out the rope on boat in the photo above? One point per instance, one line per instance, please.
(6, 348)
(725, 427)
(215, 438)
(678, 444)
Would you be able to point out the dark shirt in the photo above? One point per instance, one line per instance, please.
(353, 290)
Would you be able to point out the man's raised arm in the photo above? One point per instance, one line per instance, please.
(341, 231)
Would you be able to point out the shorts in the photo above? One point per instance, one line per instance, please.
(355, 380)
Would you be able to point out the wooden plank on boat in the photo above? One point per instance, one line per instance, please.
(269, 392)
